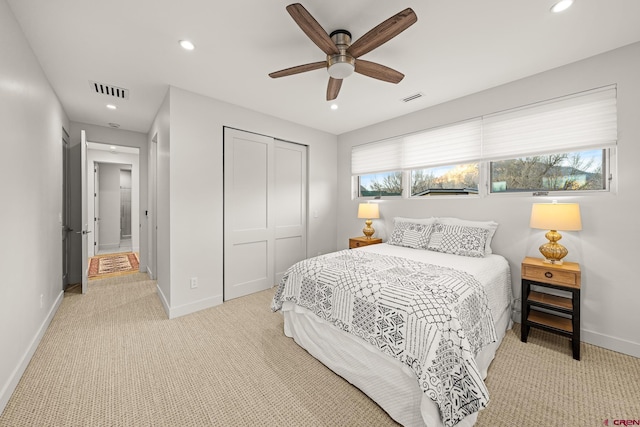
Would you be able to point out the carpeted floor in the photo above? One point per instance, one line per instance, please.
(112, 358)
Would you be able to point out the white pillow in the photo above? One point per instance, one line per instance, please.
(458, 240)
(411, 232)
(426, 221)
(491, 226)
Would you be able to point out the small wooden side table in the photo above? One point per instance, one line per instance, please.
(358, 242)
(564, 277)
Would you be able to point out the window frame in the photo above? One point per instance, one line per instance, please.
(484, 184)
(608, 173)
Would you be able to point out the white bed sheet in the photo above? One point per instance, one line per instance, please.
(384, 379)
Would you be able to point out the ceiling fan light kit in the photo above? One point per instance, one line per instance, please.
(341, 65)
(342, 56)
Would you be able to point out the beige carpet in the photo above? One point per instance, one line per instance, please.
(111, 358)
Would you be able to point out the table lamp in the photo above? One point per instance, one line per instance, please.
(368, 211)
(554, 217)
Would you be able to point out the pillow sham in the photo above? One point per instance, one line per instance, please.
(490, 226)
(411, 233)
(458, 240)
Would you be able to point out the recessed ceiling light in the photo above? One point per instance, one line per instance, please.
(113, 147)
(561, 6)
(187, 45)
(334, 106)
(111, 107)
(114, 125)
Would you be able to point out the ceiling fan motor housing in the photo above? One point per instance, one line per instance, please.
(342, 64)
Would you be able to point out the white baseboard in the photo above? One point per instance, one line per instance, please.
(163, 300)
(611, 343)
(14, 378)
(192, 307)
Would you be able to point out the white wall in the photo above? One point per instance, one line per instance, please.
(160, 131)
(31, 119)
(196, 191)
(118, 137)
(606, 248)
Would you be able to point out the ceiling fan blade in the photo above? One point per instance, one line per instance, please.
(298, 69)
(378, 71)
(312, 29)
(333, 88)
(383, 33)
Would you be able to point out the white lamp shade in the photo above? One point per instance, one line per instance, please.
(368, 211)
(556, 216)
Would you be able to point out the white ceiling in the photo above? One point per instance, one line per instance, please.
(457, 47)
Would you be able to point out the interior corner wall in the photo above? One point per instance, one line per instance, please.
(105, 135)
(32, 122)
(196, 191)
(160, 132)
(607, 245)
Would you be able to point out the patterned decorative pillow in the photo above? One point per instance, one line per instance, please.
(458, 240)
(410, 235)
(490, 226)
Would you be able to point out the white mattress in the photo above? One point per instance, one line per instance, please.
(384, 379)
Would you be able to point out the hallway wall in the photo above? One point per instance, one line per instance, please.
(32, 122)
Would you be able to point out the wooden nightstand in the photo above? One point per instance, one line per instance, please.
(565, 277)
(357, 242)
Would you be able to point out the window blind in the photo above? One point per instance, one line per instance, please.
(448, 145)
(583, 121)
(587, 120)
(383, 156)
(454, 144)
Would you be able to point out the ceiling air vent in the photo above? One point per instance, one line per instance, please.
(109, 90)
(413, 97)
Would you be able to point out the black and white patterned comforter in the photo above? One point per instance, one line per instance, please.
(432, 318)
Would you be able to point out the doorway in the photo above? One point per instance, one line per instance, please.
(112, 208)
(113, 198)
(65, 217)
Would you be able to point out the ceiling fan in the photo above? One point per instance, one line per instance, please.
(342, 56)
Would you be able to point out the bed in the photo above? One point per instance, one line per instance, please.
(413, 324)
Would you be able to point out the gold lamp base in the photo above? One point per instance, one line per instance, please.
(368, 230)
(553, 251)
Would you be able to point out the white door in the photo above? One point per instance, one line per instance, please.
(96, 209)
(265, 210)
(85, 223)
(291, 206)
(248, 215)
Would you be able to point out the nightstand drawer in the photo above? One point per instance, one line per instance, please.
(547, 275)
(358, 242)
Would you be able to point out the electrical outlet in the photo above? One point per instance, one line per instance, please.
(194, 282)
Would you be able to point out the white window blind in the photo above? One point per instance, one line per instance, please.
(587, 120)
(448, 145)
(454, 144)
(579, 122)
(383, 156)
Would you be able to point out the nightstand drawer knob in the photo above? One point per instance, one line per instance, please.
(548, 275)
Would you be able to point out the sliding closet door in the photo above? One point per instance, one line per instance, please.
(265, 210)
(248, 215)
(291, 206)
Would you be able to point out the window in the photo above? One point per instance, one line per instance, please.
(562, 144)
(380, 184)
(575, 171)
(445, 180)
